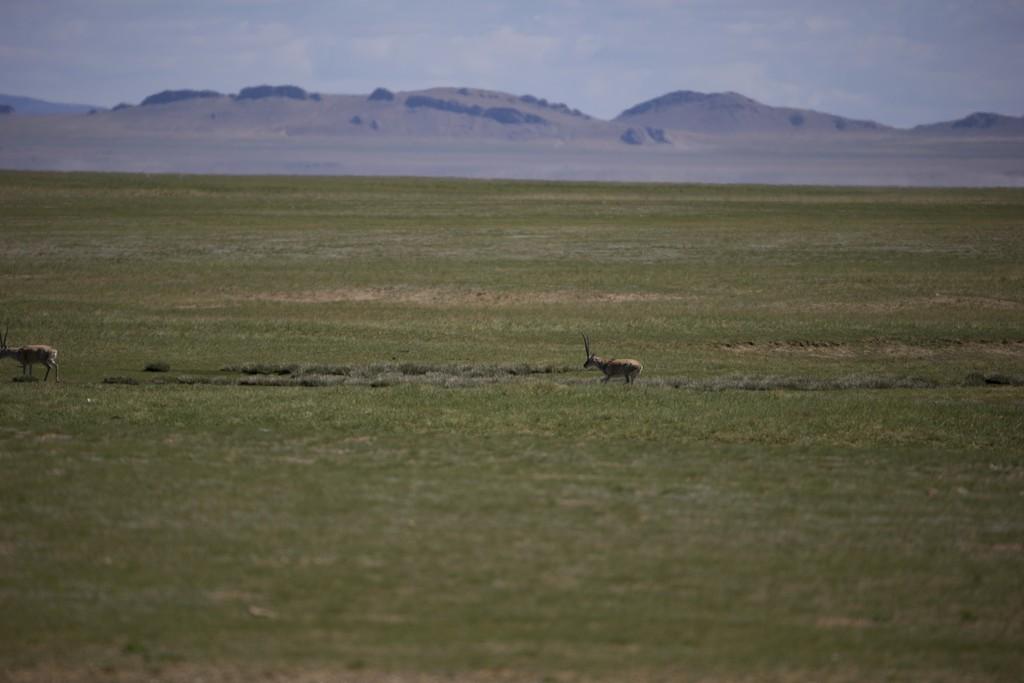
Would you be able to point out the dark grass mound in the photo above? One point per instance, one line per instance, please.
(120, 380)
(994, 379)
(373, 375)
(468, 375)
(293, 369)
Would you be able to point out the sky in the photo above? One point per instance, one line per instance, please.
(899, 62)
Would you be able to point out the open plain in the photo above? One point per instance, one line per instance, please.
(371, 452)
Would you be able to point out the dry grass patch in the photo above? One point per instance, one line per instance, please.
(449, 296)
(913, 304)
(879, 347)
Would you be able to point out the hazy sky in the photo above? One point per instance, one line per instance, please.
(900, 62)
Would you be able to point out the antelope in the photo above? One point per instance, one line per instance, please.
(614, 367)
(30, 355)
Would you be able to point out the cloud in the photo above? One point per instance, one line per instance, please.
(586, 47)
(374, 48)
(488, 59)
(503, 50)
(819, 24)
(261, 51)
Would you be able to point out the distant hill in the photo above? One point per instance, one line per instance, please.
(436, 113)
(30, 105)
(730, 112)
(977, 124)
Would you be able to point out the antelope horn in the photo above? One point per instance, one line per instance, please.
(586, 344)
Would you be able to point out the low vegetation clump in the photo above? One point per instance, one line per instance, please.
(994, 379)
(265, 369)
(120, 380)
(462, 376)
(373, 374)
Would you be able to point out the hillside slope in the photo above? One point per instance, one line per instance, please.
(977, 124)
(730, 112)
(437, 113)
(30, 105)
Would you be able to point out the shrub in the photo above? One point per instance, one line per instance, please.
(262, 368)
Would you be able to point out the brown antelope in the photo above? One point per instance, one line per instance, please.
(30, 355)
(614, 367)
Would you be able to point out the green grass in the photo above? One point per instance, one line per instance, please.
(374, 450)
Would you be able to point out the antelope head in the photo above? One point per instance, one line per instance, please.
(591, 358)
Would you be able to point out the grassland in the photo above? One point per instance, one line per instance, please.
(376, 455)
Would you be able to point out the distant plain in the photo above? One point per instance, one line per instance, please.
(376, 454)
(859, 160)
(472, 133)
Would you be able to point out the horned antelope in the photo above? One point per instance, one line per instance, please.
(614, 367)
(30, 355)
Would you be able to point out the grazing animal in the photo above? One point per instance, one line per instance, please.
(30, 355)
(614, 367)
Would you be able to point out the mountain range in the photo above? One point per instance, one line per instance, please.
(447, 111)
(682, 135)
